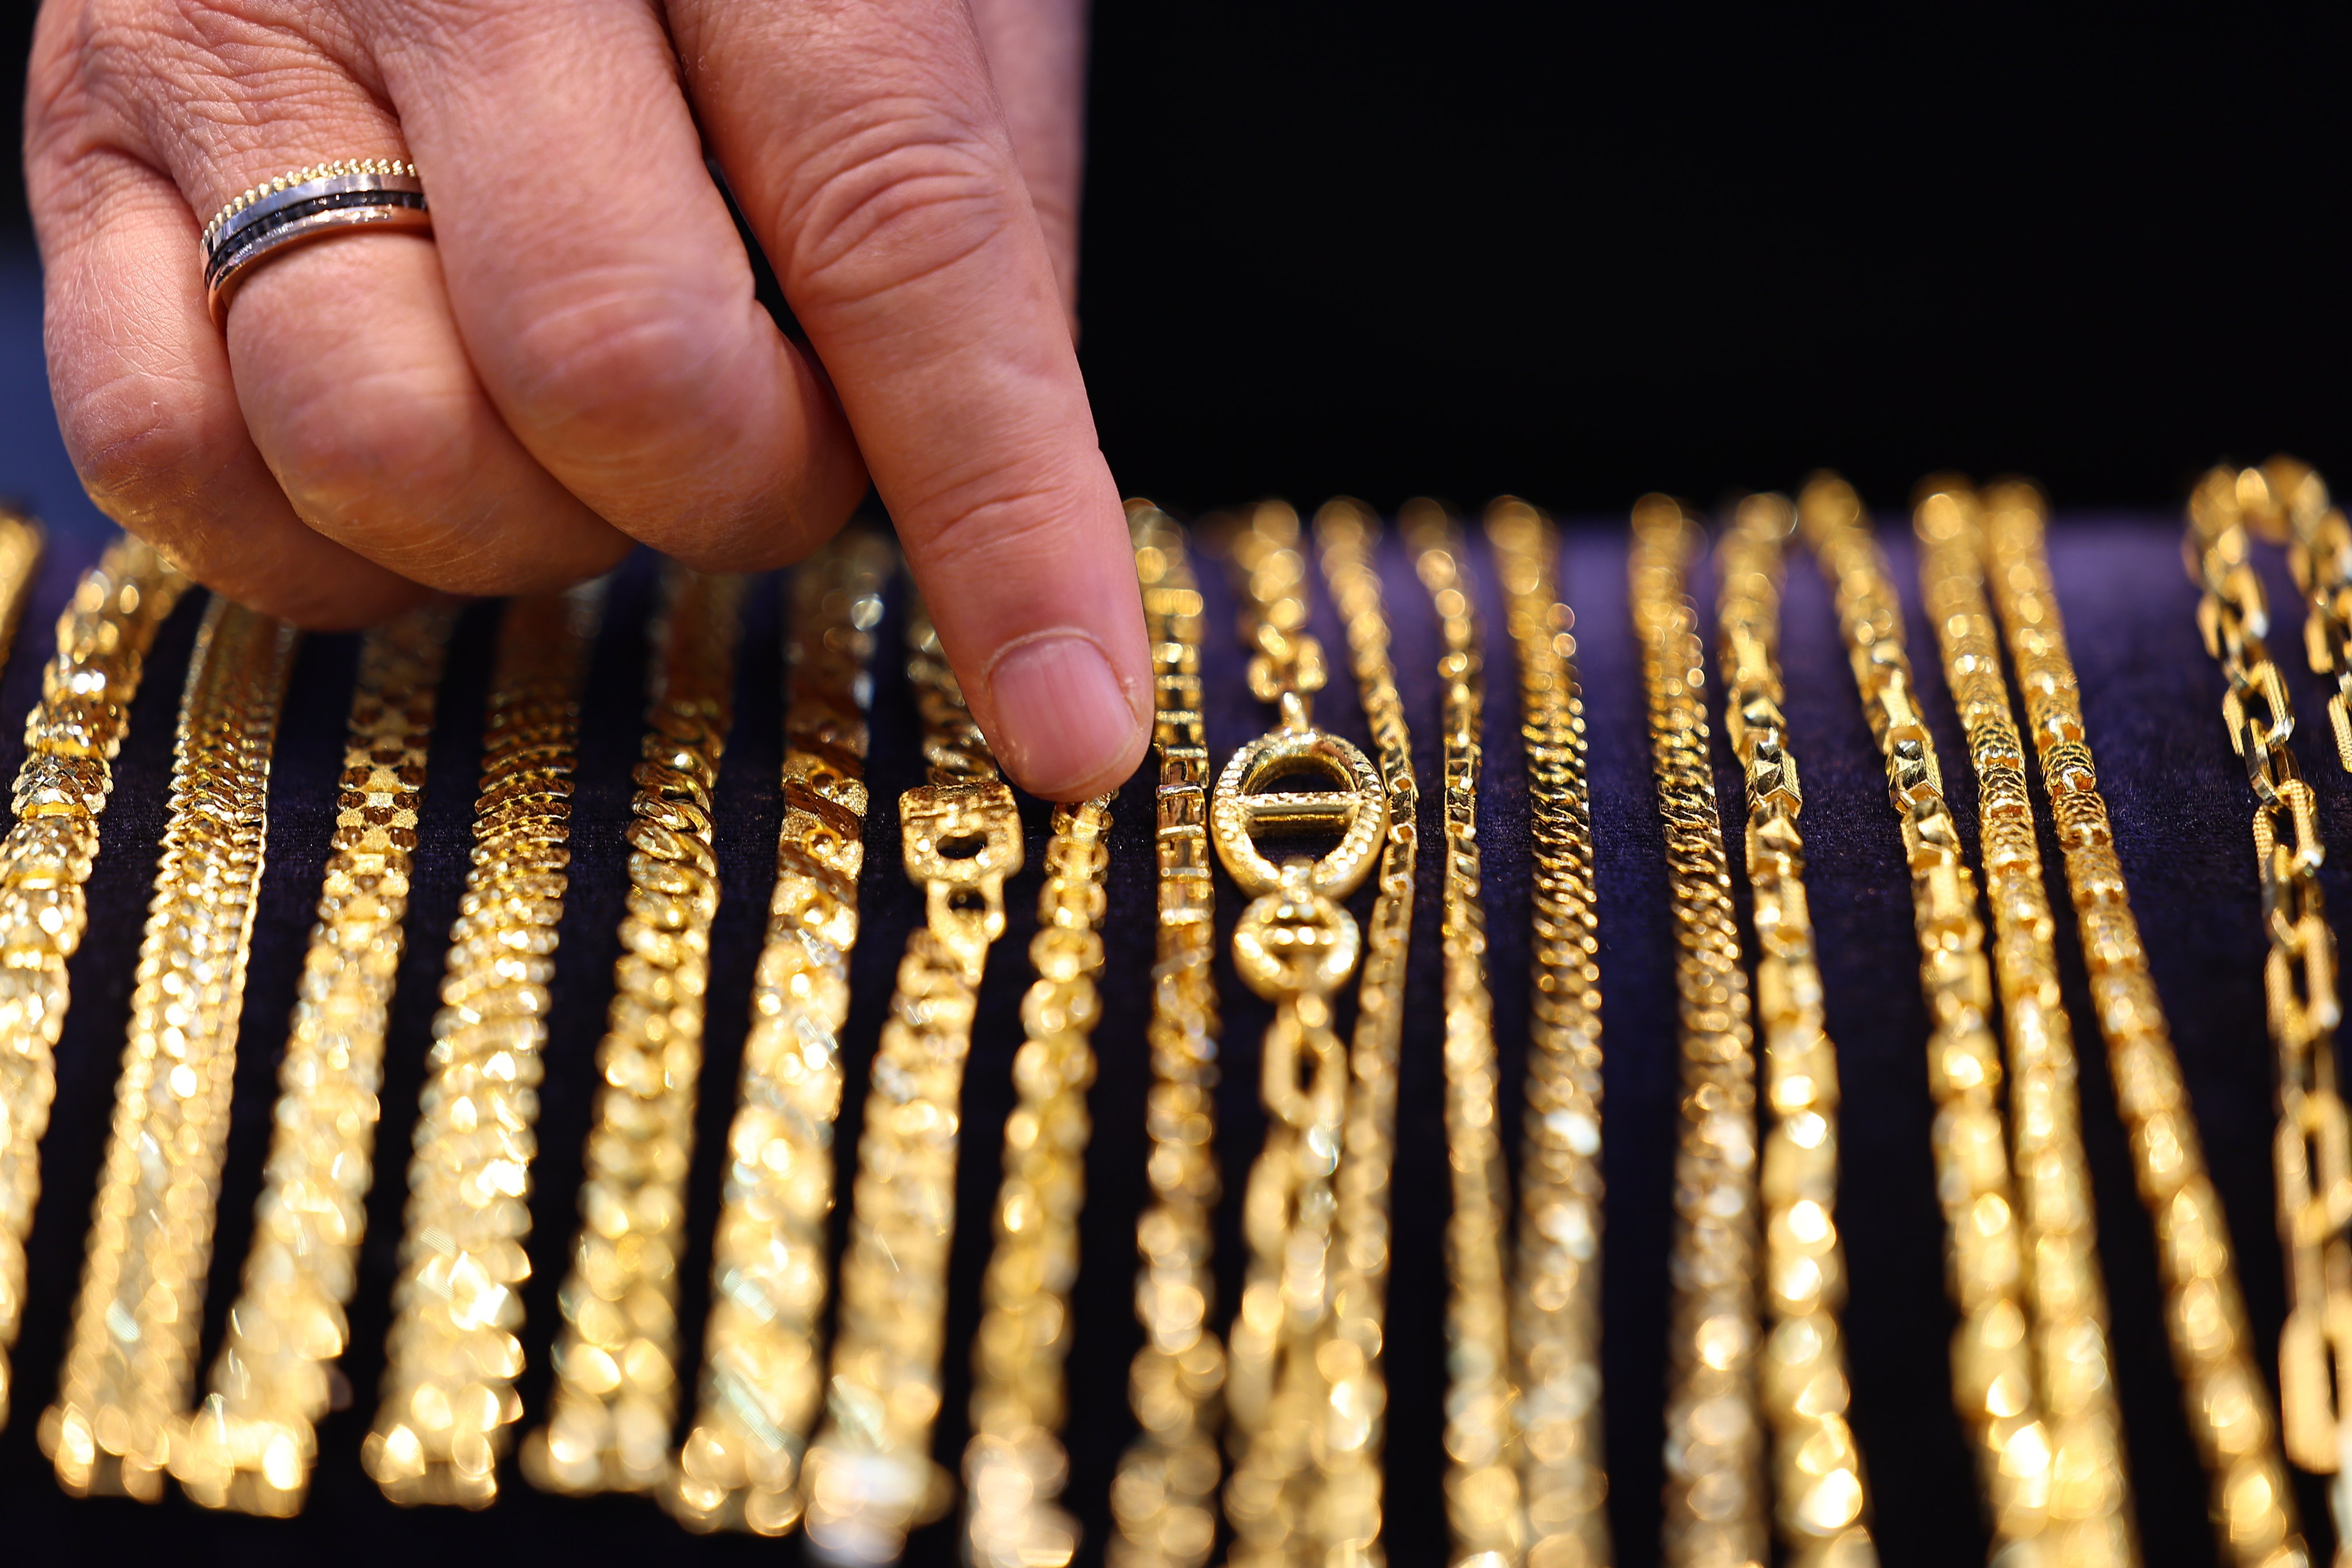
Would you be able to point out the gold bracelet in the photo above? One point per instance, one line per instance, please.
(762, 1365)
(1993, 1382)
(870, 1474)
(1821, 1505)
(2205, 1314)
(1163, 1497)
(123, 1392)
(1483, 1506)
(1556, 1284)
(1296, 946)
(70, 740)
(453, 1353)
(1715, 1482)
(2313, 1168)
(615, 1358)
(254, 1441)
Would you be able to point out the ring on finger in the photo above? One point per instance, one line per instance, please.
(304, 205)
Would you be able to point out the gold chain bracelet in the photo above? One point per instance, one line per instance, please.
(1715, 1484)
(1993, 1382)
(453, 1353)
(1556, 1284)
(124, 1391)
(254, 1441)
(2205, 1315)
(2313, 1150)
(763, 1366)
(870, 1473)
(70, 741)
(1482, 1484)
(1818, 1481)
(615, 1358)
(1163, 1497)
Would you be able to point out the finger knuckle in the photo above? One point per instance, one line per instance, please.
(140, 438)
(624, 361)
(901, 190)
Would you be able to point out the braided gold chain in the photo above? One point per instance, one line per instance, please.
(2205, 1315)
(1715, 1484)
(129, 1373)
(453, 1354)
(870, 1474)
(1556, 1283)
(1163, 1497)
(70, 741)
(763, 1363)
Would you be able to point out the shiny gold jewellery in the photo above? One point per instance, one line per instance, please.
(70, 741)
(1817, 1472)
(453, 1354)
(1715, 1471)
(762, 1360)
(2229, 1409)
(870, 1473)
(2313, 1151)
(1163, 1497)
(124, 1390)
(1556, 1280)
(615, 1359)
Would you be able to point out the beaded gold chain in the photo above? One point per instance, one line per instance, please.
(1818, 1482)
(124, 1391)
(255, 1439)
(870, 1474)
(1163, 1497)
(1993, 1383)
(1715, 1482)
(763, 1360)
(70, 741)
(1483, 1505)
(1556, 1283)
(453, 1353)
(2205, 1314)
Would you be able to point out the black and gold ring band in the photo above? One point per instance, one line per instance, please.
(301, 205)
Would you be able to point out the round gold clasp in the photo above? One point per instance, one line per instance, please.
(1243, 806)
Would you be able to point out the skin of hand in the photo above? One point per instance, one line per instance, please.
(574, 359)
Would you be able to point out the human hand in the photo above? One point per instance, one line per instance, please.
(574, 361)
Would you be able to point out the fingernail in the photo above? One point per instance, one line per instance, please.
(1066, 720)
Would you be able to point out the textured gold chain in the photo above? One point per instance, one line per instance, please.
(453, 1353)
(253, 1442)
(2205, 1314)
(615, 1357)
(1556, 1283)
(870, 1473)
(70, 741)
(2313, 1151)
(1821, 1505)
(2319, 551)
(129, 1372)
(763, 1363)
(1163, 1497)
(1715, 1482)
(1482, 1484)
(1993, 1383)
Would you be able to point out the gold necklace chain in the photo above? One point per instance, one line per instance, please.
(1993, 1382)
(1556, 1284)
(453, 1354)
(2205, 1316)
(70, 741)
(762, 1360)
(1482, 1485)
(1821, 1508)
(870, 1473)
(124, 1391)
(2090, 1495)
(2319, 551)
(615, 1357)
(1163, 1497)
(1714, 1504)
(252, 1444)
(2313, 1168)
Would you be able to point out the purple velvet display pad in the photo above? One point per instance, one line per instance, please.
(2182, 808)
